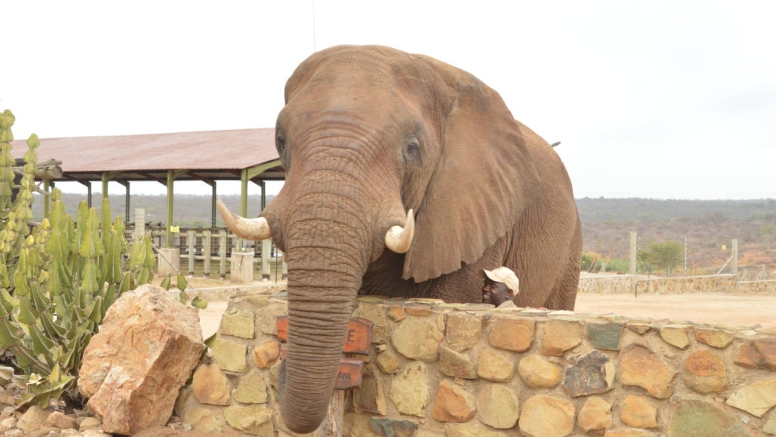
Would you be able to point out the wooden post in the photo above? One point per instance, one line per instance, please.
(734, 257)
(332, 425)
(266, 248)
(222, 253)
(192, 237)
(206, 242)
(139, 222)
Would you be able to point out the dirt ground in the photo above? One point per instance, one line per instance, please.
(709, 308)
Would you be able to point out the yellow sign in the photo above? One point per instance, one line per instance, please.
(724, 247)
(175, 228)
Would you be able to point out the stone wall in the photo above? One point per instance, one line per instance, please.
(438, 369)
(685, 284)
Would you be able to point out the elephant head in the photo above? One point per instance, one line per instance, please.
(368, 135)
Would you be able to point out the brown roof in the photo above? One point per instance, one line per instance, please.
(208, 155)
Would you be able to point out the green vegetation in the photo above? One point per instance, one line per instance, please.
(57, 280)
(664, 256)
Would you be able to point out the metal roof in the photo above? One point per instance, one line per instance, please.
(207, 155)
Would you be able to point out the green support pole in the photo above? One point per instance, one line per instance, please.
(263, 195)
(213, 205)
(89, 195)
(105, 180)
(170, 192)
(46, 197)
(126, 205)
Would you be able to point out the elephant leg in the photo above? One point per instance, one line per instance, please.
(564, 294)
(544, 243)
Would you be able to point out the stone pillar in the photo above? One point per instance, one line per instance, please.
(169, 261)
(634, 242)
(139, 222)
(734, 257)
(242, 267)
(266, 249)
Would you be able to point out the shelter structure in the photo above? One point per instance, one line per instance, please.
(247, 155)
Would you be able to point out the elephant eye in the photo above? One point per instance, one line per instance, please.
(280, 145)
(411, 150)
(280, 142)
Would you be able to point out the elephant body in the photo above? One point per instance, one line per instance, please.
(370, 134)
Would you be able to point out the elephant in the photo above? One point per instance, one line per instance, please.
(389, 150)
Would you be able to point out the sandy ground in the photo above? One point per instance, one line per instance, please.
(711, 308)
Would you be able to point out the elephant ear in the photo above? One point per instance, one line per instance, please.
(484, 178)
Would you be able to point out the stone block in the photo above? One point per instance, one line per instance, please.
(547, 416)
(252, 389)
(453, 403)
(388, 362)
(242, 267)
(511, 333)
(498, 406)
(237, 323)
(637, 411)
(417, 338)
(605, 335)
(756, 399)
(463, 330)
(757, 354)
(392, 427)
(675, 335)
(370, 397)
(230, 355)
(169, 262)
(265, 354)
(595, 415)
(591, 374)
(643, 368)
(694, 418)
(253, 419)
(495, 366)
(538, 372)
(410, 390)
(717, 338)
(211, 386)
(455, 364)
(704, 372)
(560, 336)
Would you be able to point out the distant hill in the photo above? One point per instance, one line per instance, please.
(707, 225)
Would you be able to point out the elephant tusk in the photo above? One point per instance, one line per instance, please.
(399, 239)
(250, 229)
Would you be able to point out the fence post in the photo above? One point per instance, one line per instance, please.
(734, 256)
(633, 252)
(139, 222)
(222, 253)
(266, 248)
(192, 237)
(206, 242)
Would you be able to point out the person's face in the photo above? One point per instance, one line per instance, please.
(495, 293)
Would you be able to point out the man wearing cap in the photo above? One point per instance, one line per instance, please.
(501, 286)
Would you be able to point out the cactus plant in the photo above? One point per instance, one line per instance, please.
(56, 280)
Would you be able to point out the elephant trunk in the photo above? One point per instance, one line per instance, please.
(324, 278)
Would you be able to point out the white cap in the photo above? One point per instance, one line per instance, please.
(506, 277)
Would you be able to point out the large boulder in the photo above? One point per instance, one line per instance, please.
(147, 347)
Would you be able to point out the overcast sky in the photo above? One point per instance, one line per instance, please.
(670, 100)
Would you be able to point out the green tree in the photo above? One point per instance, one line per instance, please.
(664, 255)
